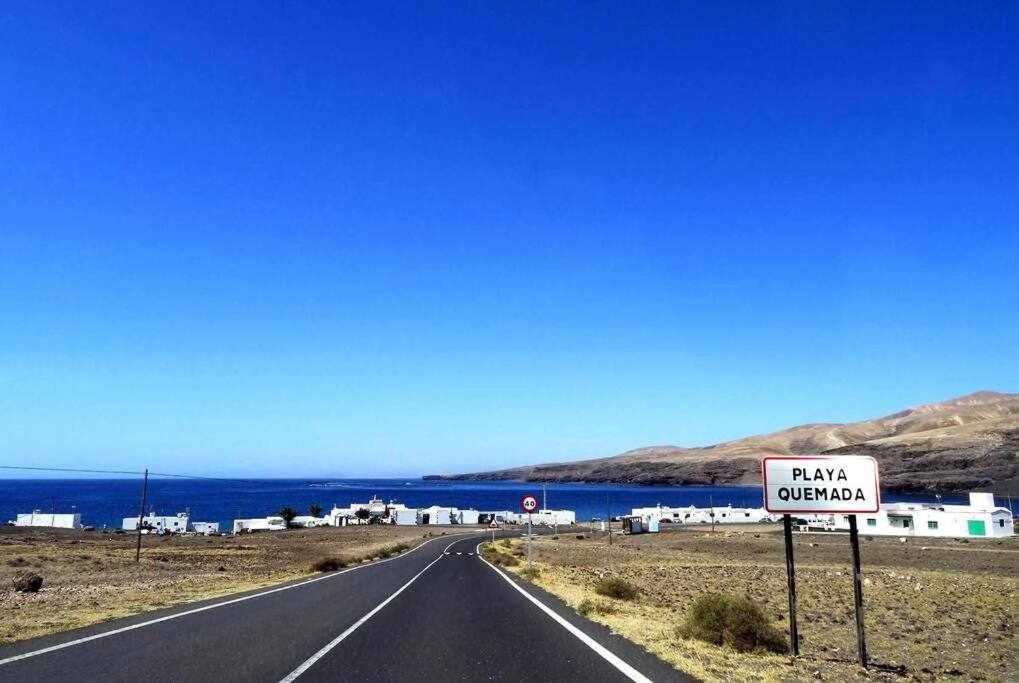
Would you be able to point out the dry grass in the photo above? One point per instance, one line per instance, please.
(91, 577)
(936, 609)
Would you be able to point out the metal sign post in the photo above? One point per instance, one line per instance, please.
(861, 636)
(828, 485)
(790, 574)
(528, 541)
(529, 504)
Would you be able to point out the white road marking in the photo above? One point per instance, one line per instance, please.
(353, 627)
(612, 659)
(106, 634)
(459, 553)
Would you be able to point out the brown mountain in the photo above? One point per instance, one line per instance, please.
(966, 443)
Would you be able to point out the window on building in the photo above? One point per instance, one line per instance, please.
(1001, 522)
(932, 525)
(871, 521)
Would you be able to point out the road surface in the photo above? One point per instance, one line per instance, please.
(436, 613)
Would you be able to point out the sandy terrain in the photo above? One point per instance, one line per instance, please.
(91, 577)
(936, 609)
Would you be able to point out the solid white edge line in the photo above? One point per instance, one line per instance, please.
(106, 634)
(600, 649)
(310, 662)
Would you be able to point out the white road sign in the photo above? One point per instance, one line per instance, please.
(821, 484)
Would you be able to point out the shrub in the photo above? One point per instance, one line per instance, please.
(17, 562)
(581, 537)
(328, 564)
(587, 606)
(27, 582)
(530, 573)
(506, 543)
(615, 587)
(736, 621)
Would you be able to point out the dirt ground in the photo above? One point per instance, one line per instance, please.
(91, 577)
(936, 609)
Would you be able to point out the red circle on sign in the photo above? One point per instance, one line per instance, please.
(528, 503)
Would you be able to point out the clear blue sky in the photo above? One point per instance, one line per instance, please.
(294, 239)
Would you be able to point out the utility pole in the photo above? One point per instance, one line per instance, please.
(711, 502)
(544, 496)
(141, 515)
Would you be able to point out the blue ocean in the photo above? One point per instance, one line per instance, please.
(105, 502)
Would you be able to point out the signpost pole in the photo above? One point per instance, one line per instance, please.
(861, 638)
(528, 540)
(790, 570)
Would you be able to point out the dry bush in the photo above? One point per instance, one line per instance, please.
(328, 564)
(587, 606)
(615, 587)
(736, 621)
(530, 573)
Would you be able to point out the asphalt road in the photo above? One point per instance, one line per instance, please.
(437, 613)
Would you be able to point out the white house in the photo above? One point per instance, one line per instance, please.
(207, 528)
(309, 522)
(160, 524)
(437, 515)
(696, 515)
(49, 519)
(469, 516)
(405, 517)
(543, 517)
(375, 510)
(980, 519)
(271, 523)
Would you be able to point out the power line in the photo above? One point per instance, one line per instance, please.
(66, 469)
(82, 470)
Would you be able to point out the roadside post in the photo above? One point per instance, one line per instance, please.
(529, 504)
(822, 485)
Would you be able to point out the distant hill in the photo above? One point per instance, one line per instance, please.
(966, 443)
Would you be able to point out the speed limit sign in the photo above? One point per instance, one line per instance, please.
(528, 503)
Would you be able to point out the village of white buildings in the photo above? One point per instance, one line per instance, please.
(981, 517)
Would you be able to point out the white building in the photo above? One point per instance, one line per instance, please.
(207, 528)
(980, 519)
(160, 524)
(405, 517)
(695, 515)
(271, 523)
(309, 522)
(374, 511)
(469, 516)
(49, 519)
(543, 517)
(437, 514)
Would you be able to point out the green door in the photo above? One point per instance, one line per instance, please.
(977, 528)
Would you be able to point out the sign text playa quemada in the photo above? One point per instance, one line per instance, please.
(821, 484)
